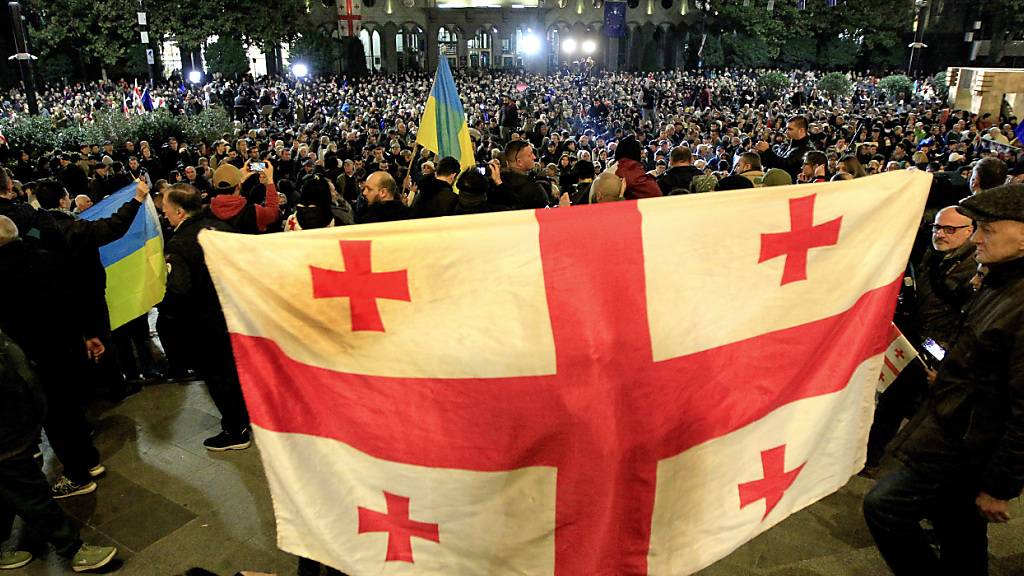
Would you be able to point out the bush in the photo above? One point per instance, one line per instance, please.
(41, 134)
(896, 87)
(714, 55)
(774, 82)
(835, 85)
(939, 83)
(838, 53)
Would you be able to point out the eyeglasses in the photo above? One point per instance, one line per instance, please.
(949, 230)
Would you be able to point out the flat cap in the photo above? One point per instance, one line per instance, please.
(1000, 203)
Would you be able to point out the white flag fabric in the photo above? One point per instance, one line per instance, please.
(617, 389)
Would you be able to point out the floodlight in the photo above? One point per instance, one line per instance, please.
(568, 46)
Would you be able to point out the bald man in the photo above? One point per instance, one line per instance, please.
(607, 187)
(930, 308)
(383, 202)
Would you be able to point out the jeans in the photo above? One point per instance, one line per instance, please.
(894, 509)
(25, 492)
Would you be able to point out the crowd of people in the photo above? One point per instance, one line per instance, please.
(337, 151)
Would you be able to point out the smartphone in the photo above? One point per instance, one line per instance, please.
(257, 166)
(482, 170)
(934, 350)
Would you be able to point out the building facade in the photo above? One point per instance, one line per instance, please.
(400, 35)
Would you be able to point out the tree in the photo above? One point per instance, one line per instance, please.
(749, 51)
(838, 53)
(799, 52)
(714, 56)
(227, 56)
(896, 87)
(317, 50)
(835, 85)
(102, 31)
(774, 82)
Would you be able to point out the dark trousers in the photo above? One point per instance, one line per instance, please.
(174, 342)
(309, 567)
(900, 400)
(894, 509)
(136, 351)
(216, 363)
(24, 492)
(68, 431)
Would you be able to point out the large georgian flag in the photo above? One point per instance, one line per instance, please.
(617, 389)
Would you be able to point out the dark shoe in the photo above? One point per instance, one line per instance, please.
(180, 377)
(228, 441)
(65, 487)
(92, 557)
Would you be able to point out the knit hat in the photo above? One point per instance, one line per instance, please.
(775, 177)
(628, 147)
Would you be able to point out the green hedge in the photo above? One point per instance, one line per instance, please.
(42, 134)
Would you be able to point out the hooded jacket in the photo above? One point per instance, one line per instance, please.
(245, 217)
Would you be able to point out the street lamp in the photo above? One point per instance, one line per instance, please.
(589, 47)
(918, 43)
(300, 70)
(531, 44)
(569, 46)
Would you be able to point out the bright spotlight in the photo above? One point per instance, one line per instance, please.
(195, 76)
(589, 46)
(531, 44)
(568, 46)
(300, 70)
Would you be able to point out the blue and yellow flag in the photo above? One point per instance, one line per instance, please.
(136, 272)
(443, 128)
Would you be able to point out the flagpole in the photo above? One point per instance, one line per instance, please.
(408, 171)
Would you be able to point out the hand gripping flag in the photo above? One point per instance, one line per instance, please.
(898, 355)
(443, 128)
(136, 272)
(614, 389)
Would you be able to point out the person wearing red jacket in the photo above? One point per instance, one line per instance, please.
(639, 184)
(233, 192)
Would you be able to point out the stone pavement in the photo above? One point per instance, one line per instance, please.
(169, 505)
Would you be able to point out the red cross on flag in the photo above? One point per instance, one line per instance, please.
(898, 355)
(349, 17)
(615, 389)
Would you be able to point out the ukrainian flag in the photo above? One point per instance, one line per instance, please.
(443, 128)
(136, 272)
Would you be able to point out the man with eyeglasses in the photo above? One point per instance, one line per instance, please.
(929, 306)
(962, 454)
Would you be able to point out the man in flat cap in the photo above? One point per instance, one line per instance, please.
(962, 455)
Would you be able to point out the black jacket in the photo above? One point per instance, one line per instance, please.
(24, 406)
(34, 311)
(519, 191)
(676, 178)
(84, 238)
(435, 198)
(943, 288)
(971, 428)
(384, 212)
(190, 290)
(36, 227)
(789, 157)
